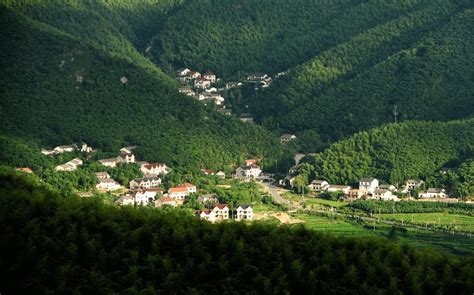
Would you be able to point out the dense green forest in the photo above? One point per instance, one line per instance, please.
(396, 152)
(403, 70)
(54, 243)
(59, 87)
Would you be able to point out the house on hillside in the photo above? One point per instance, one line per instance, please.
(332, 188)
(202, 83)
(210, 76)
(110, 162)
(355, 194)
(246, 118)
(84, 194)
(165, 201)
(128, 149)
(69, 166)
(183, 72)
(187, 90)
(384, 195)
(155, 168)
(145, 197)
(145, 182)
(318, 185)
(65, 148)
(126, 200)
(178, 193)
(370, 184)
(433, 193)
(24, 169)
(286, 138)
(194, 75)
(220, 174)
(189, 186)
(248, 171)
(220, 212)
(230, 85)
(243, 212)
(107, 184)
(412, 184)
(102, 175)
(208, 199)
(388, 187)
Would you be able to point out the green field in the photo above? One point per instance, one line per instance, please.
(317, 201)
(456, 221)
(443, 242)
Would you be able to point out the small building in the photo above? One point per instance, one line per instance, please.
(145, 182)
(210, 76)
(208, 199)
(207, 172)
(187, 90)
(433, 193)
(86, 149)
(178, 193)
(128, 149)
(24, 169)
(338, 188)
(220, 212)
(384, 195)
(318, 185)
(230, 85)
(286, 138)
(145, 197)
(165, 201)
(370, 184)
(226, 112)
(194, 75)
(110, 162)
(102, 175)
(248, 171)
(202, 83)
(355, 194)
(126, 200)
(69, 166)
(108, 184)
(388, 187)
(220, 174)
(183, 72)
(246, 118)
(243, 212)
(84, 194)
(65, 148)
(189, 186)
(412, 184)
(155, 168)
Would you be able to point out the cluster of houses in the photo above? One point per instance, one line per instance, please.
(221, 212)
(67, 149)
(371, 189)
(69, 166)
(250, 170)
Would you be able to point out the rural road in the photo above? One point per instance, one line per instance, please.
(275, 192)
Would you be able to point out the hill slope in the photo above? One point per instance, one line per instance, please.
(396, 152)
(59, 244)
(58, 87)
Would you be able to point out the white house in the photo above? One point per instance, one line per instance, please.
(145, 182)
(319, 185)
(181, 191)
(107, 184)
(126, 158)
(433, 193)
(210, 76)
(126, 200)
(165, 201)
(243, 213)
(248, 171)
(187, 90)
(110, 162)
(389, 187)
(194, 75)
(145, 197)
(183, 72)
(209, 198)
(65, 148)
(338, 188)
(202, 83)
(218, 213)
(369, 184)
(69, 166)
(384, 195)
(155, 168)
(412, 184)
(102, 175)
(220, 174)
(189, 186)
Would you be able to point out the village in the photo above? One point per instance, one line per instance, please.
(208, 88)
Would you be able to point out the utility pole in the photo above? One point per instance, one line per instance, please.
(395, 113)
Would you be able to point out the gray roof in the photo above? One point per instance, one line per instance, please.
(367, 179)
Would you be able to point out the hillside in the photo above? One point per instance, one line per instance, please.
(396, 152)
(61, 244)
(382, 75)
(60, 87)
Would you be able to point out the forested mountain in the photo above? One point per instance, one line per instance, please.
(350, 65)
(56, 244)
(70, 75)
(396, 152)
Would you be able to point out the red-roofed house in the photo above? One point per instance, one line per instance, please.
(218, 213)
(210, 76)
(24, 169)
(165, 201)
(189, 186)
(202, 83)
(178, 193)
(154, 168)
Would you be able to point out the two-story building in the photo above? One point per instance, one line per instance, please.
(369, 184)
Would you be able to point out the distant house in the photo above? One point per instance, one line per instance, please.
(202, 83)
(24, 169)
(207, 172)
(218, 213)
(226, 112)
(124, 157)
(126, 200)
(69, 166)
(285, 138)
(102, 175)
(412, 184)
(338, 188)
(127, 158)
(110, 162)
(178, 193)
(244, 212)
(145, 197)
(194, 75)
(208, 199)
(288, 181)
(212, 97)
(47, 152)
(388, 187)
(183, 72)
(85, 148)
(220, 174)
(248, 171)
(249, 162)
(155, 168)
(128, 149)
(165, 201)
(107, 184)
(189, 186)
(433, 193)
(319, 185)
(257, 77)
(145, 182)
(65, 148)
(230, 85)
(384, 195)
(355, 193)
(369, 184)
(210, 76)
